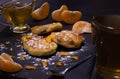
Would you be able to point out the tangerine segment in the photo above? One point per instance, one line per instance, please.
(82, 27)
(8, 65)
(56, 14)
(71, 17)
(42, 12)
(7, 57)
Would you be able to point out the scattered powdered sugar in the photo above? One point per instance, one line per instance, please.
(22, 55)
(73, 52)
(2, 46)
(36, 61)
(36, 64)
(64, 59)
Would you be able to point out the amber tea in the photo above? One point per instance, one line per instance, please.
(106, 38)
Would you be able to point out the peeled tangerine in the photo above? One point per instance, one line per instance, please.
(42, 12)
(8, 65)
(56, 14)
(82, 27)
(70, 17)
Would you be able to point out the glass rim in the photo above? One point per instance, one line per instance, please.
(97, 21)
(6, 2)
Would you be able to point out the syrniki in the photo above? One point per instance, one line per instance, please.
(66, 38)
(45, 29)
(38, 46)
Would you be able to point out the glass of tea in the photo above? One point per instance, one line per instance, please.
(18, 12)
(106, 38)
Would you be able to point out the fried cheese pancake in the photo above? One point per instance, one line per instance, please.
(45, 29)
(66, 39)
(37, 46)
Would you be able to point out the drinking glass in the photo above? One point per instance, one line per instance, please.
(18, 12)
(106, 38)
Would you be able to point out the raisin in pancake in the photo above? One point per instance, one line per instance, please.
(67, 39)
(37, 46)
